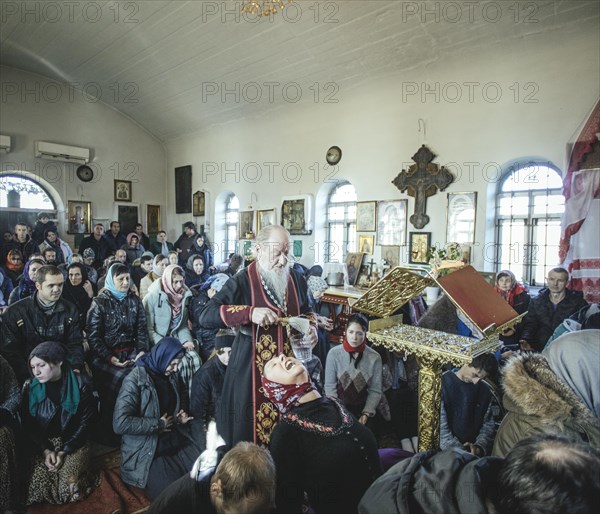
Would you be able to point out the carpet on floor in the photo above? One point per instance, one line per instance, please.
(112, 496)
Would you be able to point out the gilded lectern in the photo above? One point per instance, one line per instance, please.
(481, 308)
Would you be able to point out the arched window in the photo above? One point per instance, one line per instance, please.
(232, 217)
(21, 199)
(341, 222)
(529, 207)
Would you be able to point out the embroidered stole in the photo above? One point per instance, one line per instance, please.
(267, 343)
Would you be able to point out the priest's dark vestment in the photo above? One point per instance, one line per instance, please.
(244, 413)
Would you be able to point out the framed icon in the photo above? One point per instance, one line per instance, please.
(391, 222)
(199, 204)
(123, 191)
(418, 247)
(264, 219)
(460, 218)
(153, 218)
(80, 217)
(366, 244)
(366, 216)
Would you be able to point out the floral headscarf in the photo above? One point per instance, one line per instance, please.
(175, 298)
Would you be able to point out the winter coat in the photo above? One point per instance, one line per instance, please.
(205, 336)
(542, 319)
(75, 428)
(207, 386)
(538, 401)
(159, 314)
(448, 482)
(60, 256)
(114, 325)
(25, 325)
(26, 248)
(137, 418)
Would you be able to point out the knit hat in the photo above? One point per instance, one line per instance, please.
(89, 253)
(224, 338)
(148, 254)
(316, 284)
(43, 215)
(216, 282)
(189, 224)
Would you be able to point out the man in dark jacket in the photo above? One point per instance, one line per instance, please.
(549, 309)
(96, 242)
(544, 473)
(185, 242)
(45, 316)
(114, 238)
(21, 241)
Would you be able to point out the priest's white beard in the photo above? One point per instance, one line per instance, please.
(276, 281)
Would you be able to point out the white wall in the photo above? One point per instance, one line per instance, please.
(377, 130)
(35, 109)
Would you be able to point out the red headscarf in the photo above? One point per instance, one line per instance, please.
(515, 287)
(12, 266)
(285, 396)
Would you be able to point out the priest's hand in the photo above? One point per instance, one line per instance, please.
(263, 316)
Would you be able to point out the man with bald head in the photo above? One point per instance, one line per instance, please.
(252, 301)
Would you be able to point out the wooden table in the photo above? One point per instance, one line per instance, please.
(333, 297)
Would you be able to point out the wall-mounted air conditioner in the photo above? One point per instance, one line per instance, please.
(5, 144)
(63, 153)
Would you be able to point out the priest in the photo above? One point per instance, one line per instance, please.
(252, 302)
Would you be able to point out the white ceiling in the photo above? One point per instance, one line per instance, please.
(164, 53)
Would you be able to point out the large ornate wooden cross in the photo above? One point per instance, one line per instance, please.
(423, 179)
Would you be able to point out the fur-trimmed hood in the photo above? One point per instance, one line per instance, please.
(533, 389)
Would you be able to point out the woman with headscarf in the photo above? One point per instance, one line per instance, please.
(79, 290)
(117, 335)
(201, 295)
(354, 372)
(201, 246)
(318, 446)
(58, 411)
(151, 415)
(13, 267)
(166, 306)
(133, 248)
(196, 272)
(517, 297)
(159, 264)
(26, 286)
(51, 240)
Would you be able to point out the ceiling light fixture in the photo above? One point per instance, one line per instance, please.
(263, 7)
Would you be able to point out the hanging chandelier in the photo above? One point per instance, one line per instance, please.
(263, 7)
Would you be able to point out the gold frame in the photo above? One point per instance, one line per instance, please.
(87, 216)
(370, 210)
(370, 240)
(199, 204)
(153, 227)
(259, 221)
(414, 238)
(117, 196)
(246, 221)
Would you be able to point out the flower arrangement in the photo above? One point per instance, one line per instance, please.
(444, 260)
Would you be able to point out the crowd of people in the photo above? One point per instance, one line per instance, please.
(220, 387)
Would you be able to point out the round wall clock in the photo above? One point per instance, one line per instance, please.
(334, 154)
(85, 173)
